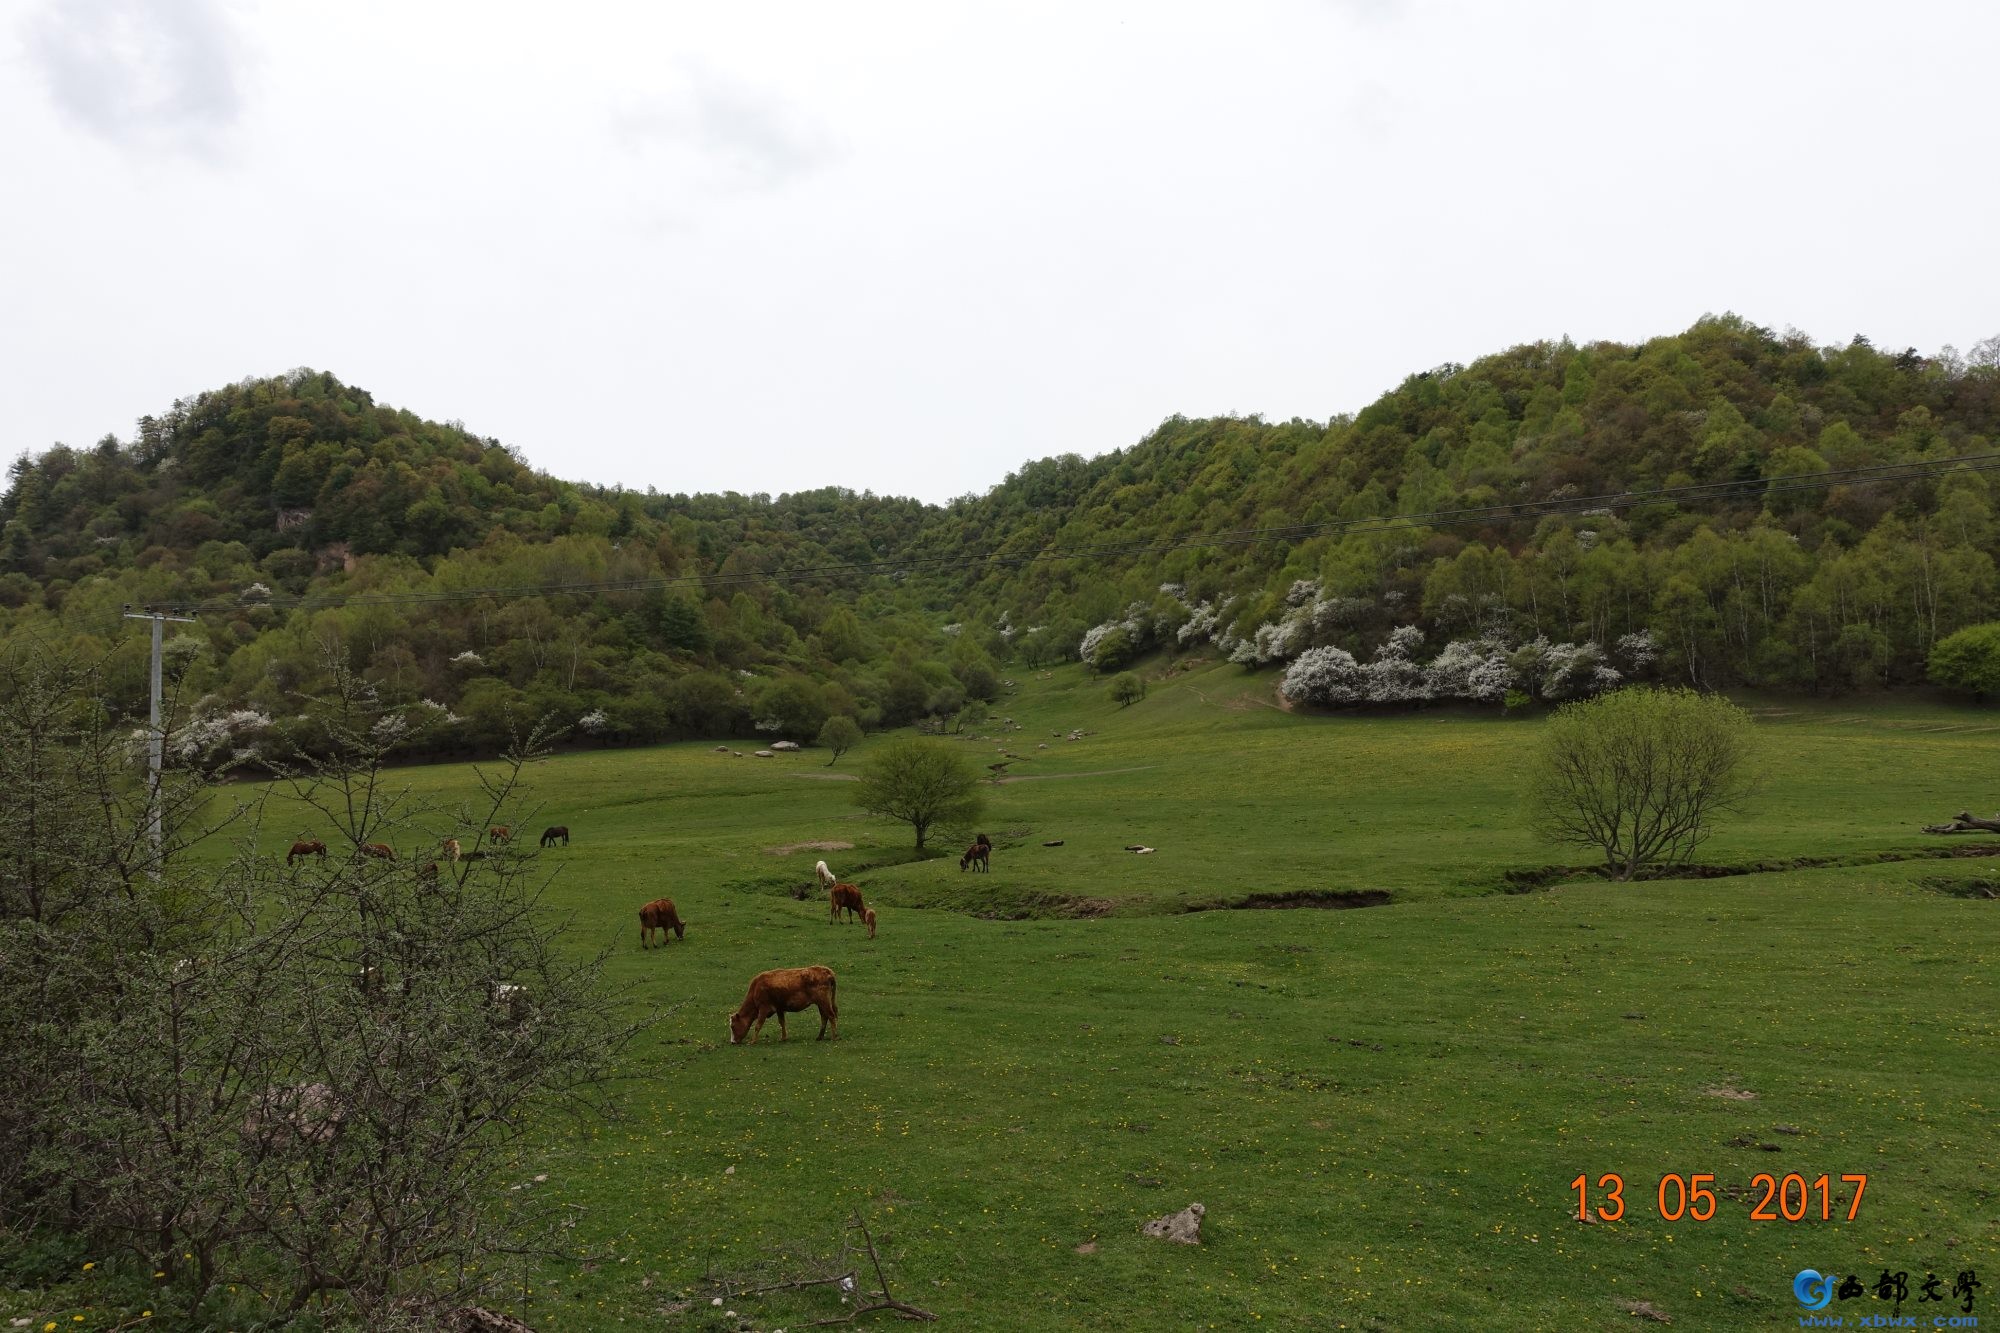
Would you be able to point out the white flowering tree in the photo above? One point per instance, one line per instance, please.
(1327, 677)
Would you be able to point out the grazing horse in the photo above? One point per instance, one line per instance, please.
(847, 897)
(451, 849)
(500, 833)
(977, 854)
(826, 877)
(555, 831)
(868, 919)
(381, 851)
(306, 847)
(659, 915)
(428, 871)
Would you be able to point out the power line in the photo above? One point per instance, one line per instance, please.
(1479, 516)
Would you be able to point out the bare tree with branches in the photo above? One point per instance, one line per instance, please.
(313, 1080)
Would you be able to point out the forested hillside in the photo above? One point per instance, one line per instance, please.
(241, 498)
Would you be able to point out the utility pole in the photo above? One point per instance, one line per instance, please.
(156, 749)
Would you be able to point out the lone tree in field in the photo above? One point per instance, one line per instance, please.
(1127, 689)
(920, 783)
(1640, 774)
(840, 734)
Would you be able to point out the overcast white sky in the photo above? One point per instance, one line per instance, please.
(766, 247)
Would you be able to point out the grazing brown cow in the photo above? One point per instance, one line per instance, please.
(845, 896)
(659, 915)
(451, 849)
(554, 832)
(429, 870)
(786, 990)
(500, 833)
(381, 851)
(306, 847)
(868, 919)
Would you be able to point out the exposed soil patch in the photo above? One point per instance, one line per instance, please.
(791, 847)
(1729, 1094)
(1064, 777)
(1964, 886)
(1043, 906)
(1541, 877)
(1331, 899)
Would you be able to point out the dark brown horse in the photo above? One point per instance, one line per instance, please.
(555, 832)
(977, 854)
(306, 847)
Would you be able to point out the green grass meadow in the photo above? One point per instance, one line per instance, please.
(1381, 1109)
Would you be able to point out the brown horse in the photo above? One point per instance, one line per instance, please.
(977, 854)
(500, 833)
(555, 831)
(429, 870)
(659, 915)
(381, 851)
(845, 897)
(306, 847)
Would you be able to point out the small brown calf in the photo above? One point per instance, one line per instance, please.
(659, 915)
(451, 849)
(844, 897)
(786, 990)
(868, 919)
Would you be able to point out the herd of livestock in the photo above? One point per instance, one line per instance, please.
(780, 991)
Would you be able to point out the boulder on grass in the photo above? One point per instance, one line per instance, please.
(1183, 1227)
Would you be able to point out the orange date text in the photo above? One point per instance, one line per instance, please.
(1789, 1198)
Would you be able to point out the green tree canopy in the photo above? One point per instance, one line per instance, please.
(1639, 774)
(921, 783)
(840, 734)
(1969, 660)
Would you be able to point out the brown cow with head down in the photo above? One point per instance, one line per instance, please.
(381, 851)
(306, 847)
(659, 915)
(786, 990)
(847, 898)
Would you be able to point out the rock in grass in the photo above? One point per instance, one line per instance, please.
(1183, 1227)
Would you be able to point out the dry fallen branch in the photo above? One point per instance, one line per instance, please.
(1963, 822)
(887, 1302)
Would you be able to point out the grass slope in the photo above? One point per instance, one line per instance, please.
(1381, 1109)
